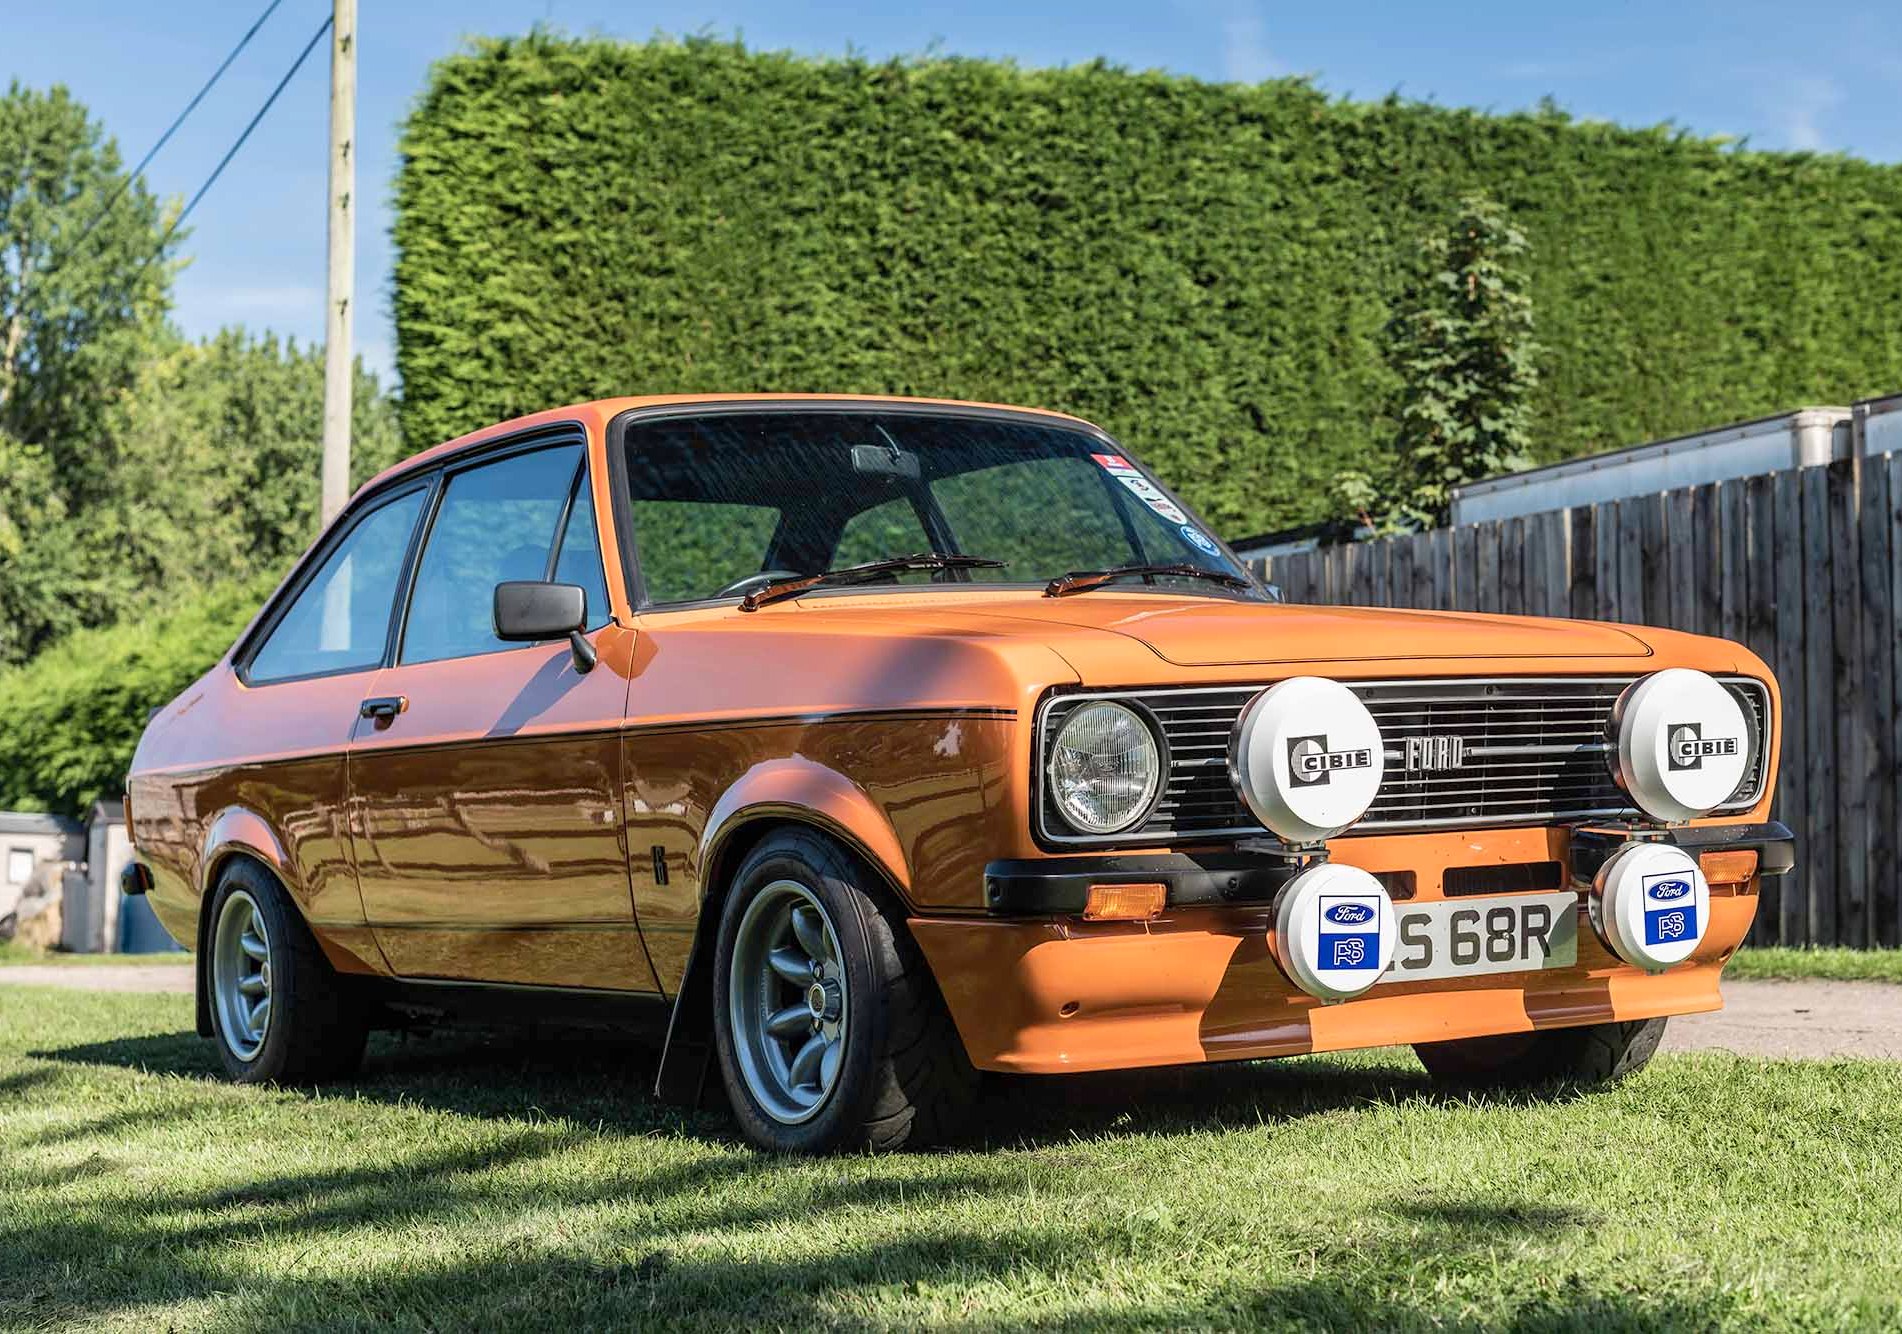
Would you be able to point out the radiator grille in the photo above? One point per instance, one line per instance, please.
(1535, 753)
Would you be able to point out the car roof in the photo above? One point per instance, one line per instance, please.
(599, 412)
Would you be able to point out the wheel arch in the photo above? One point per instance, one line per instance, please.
(238, 831)
(219, 857)
(686, 1058)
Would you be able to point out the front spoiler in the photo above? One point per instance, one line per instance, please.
(1200, 984)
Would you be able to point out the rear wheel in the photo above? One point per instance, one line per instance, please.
(1593, 1054)
(279, 1014)
(830, 1030)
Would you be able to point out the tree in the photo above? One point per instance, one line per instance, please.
(136, 467)
(215, 448)
(218, 450)
(1464, 352)
(82, 288)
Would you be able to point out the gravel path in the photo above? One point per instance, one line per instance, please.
(1788, 1019)
(103, 976)
(1804, 1019)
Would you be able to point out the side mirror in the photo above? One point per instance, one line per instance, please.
(532, 612)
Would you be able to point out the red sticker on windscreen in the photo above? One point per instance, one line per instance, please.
(1141, 487)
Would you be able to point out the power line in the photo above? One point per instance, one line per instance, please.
(170, 130)
(232, 152)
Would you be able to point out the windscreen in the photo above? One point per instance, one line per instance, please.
(724, 502)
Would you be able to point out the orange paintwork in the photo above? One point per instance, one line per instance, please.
(504, 827)
(1201, 984)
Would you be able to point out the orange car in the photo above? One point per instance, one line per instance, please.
(872, 743)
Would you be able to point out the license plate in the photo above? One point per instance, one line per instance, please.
(1506, 933)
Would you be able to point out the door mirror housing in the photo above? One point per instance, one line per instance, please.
(532, 612)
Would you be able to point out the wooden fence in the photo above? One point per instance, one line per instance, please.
(1804, 567)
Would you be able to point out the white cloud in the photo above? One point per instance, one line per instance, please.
(1809, 99)
(1246, 57)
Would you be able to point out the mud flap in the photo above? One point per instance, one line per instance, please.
(687, 1077)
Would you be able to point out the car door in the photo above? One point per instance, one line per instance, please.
(302, 675)
(485, 789)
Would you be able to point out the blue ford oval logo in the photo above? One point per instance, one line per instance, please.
(1349, 914)
(1666, 890)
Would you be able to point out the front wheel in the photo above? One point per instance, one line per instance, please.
(278, 1013)
(1592, 1054)
(830, 1029)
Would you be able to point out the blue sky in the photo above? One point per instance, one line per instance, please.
(1823, 75)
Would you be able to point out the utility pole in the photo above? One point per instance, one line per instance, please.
(341, 265)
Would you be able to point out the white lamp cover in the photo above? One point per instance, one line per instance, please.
(1334, 931)
(1307, 758)
(1682, 744)
(1650, 905)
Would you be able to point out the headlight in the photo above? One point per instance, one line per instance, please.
(1680, 744)
(1105, 768)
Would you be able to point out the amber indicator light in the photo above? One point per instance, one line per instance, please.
(1124, 903)
(1729, 868)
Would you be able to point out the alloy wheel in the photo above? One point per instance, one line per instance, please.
(788, 1002)
(241, 975)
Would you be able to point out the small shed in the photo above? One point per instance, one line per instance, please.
(98, 918)
(34, 850)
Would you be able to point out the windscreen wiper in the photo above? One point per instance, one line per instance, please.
(793, 585)
(1082, 581)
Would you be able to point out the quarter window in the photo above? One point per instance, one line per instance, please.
(496, 522)
(340, 620)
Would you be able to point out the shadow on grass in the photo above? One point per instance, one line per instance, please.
(692, 1257)
(602, 1080)
(712, 1239)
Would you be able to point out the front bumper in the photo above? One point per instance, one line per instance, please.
(1050, 993)
(1058, 886)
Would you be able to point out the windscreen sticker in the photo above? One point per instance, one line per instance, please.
(1144, 490)
(1198, 539)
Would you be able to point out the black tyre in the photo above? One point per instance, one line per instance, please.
(279, 1014)
(830, 1030)
(1594, 1054)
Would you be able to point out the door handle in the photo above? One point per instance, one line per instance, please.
(383, 707)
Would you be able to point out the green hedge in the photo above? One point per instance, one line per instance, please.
(1205, 269)
(71, 718)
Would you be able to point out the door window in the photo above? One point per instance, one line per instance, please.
(496, 522)
(340, 620)
(580, 559)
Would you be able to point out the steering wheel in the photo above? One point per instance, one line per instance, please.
(741, 587)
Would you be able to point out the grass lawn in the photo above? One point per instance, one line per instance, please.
(517, 1182)
(1838, 965)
